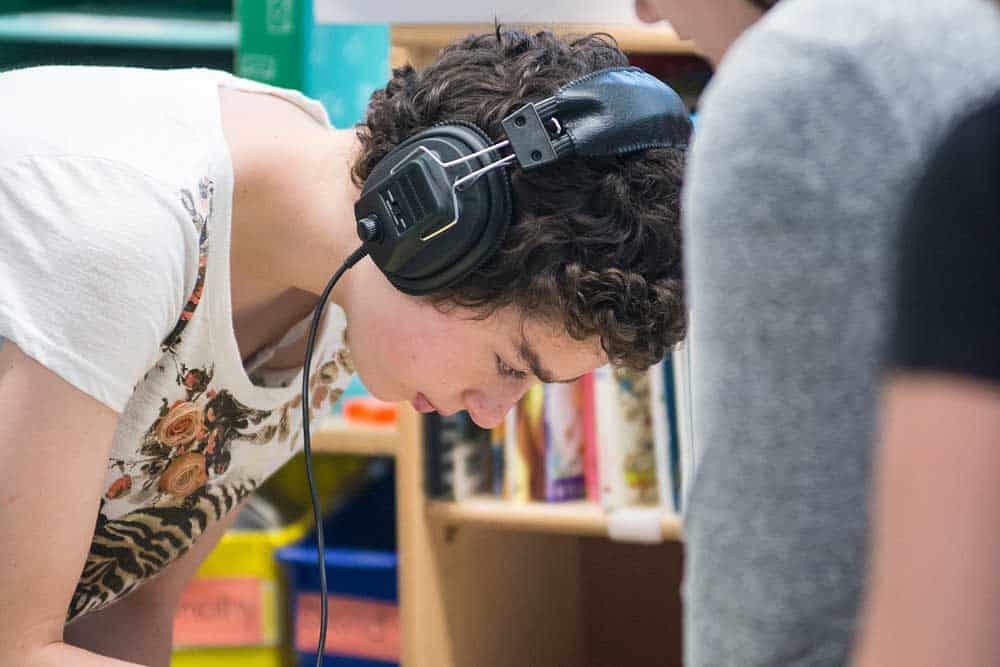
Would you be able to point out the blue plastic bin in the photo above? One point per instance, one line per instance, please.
(362, 582)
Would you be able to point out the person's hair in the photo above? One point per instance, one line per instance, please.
(595, 245)
(765, 4)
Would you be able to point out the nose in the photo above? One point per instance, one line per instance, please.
(646, 11)
(488, 409)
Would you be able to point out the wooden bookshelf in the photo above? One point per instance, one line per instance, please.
(336, 436)
(495, 584)
(569, 518)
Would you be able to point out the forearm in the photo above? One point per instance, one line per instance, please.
(139, 627)
(136, 629)
(52, 472)
(60, 654)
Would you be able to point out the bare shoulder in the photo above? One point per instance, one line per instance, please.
(24, 382)
(267, 134)
(248, 109)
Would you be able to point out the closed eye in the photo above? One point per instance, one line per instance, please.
(506, 371)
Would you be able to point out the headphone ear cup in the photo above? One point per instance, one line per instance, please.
(485, 211)
(499, 184)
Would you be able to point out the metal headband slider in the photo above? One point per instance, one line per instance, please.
(528, 137)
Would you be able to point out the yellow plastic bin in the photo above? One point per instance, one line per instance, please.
(234, 613)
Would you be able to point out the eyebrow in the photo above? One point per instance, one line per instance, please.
(530, 357)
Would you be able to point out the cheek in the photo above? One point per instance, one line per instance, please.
(428, 352)
(401, 352)
(378, 351)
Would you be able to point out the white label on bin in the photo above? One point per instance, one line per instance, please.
(358, 627)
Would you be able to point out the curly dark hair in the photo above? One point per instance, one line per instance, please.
(595, 246)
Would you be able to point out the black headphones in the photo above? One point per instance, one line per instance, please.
(438, 206)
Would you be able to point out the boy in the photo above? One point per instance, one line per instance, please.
(165, 236)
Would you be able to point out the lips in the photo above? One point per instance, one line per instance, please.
(421, 404)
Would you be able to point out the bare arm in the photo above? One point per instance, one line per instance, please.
(54, 443)
(934, 584)
(140, 626)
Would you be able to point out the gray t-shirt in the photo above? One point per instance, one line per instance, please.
(808, 140)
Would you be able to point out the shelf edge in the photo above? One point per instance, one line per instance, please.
(335, 436)
(573, 518)
(98, 29)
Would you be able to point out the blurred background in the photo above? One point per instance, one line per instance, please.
(338, 51)
(254, 602)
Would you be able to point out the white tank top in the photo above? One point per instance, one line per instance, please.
(115, 214)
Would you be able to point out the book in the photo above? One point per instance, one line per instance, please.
(610, 461)
(636, 437)
(626, 455)
(516, 482)
(497, 438)
(662, 411)
(562, 407)
(437, 472)
(670, 396)
(588, 420)
(681, 360)
(470, 458)
(531, 440)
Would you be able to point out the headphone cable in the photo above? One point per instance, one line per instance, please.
(353, 259)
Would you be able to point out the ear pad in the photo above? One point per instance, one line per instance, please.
(417, 266)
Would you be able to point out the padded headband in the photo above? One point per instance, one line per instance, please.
(438, 205)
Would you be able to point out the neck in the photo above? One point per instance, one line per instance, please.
(331, 218)
(714, 26)
(300, 225)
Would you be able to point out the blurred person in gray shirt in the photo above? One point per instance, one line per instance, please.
(817, 122)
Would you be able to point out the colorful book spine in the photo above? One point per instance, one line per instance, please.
(515, 474)
(685, 424)
(471, 458)
(531, 439)
(660, 407)
(670, 398)
(563, 433)
(497, 438)
(437, 465)
(638, 456)
(588, 419)
(610, 462)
